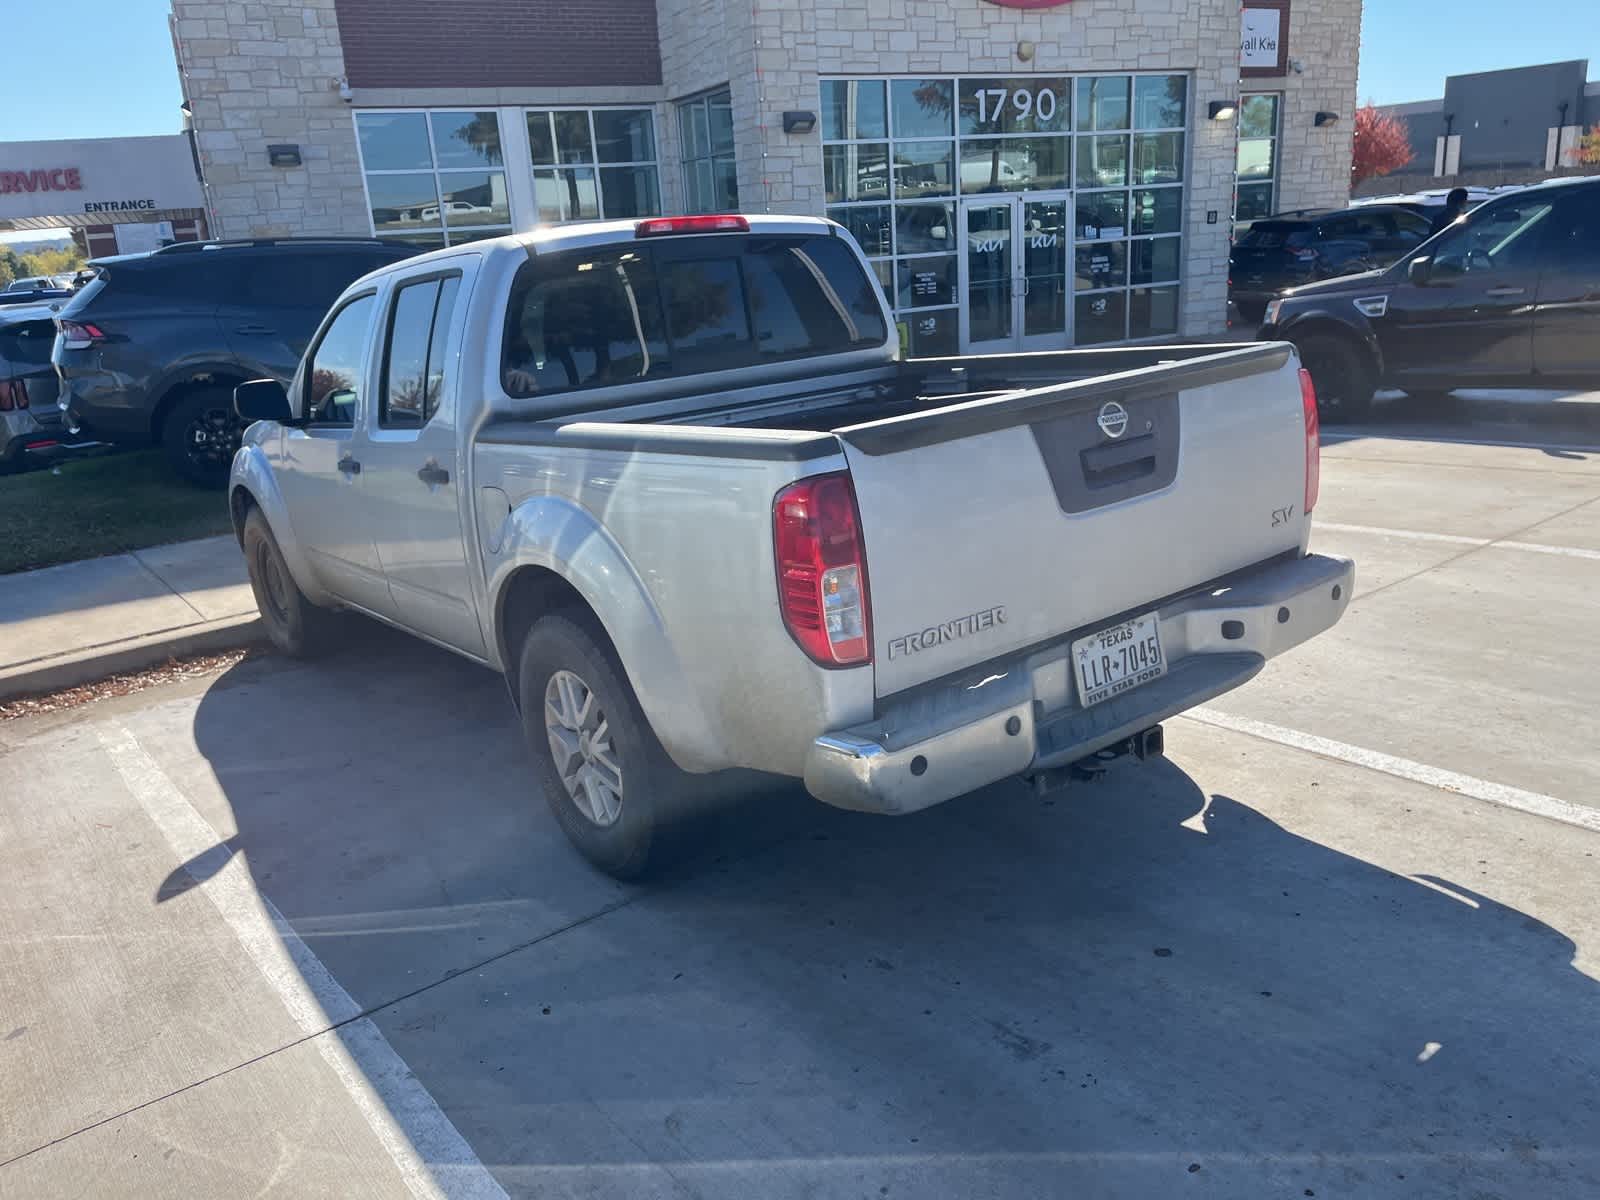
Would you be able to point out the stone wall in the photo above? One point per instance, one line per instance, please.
(1314, 164)
(259, 73)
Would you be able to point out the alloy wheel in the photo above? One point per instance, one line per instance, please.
(580, 743)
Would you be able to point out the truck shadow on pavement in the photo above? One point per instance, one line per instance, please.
(1130, 990)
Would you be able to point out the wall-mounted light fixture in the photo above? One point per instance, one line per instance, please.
(284, 155)
(799, 121)
(1222, 110)
(1326, 118)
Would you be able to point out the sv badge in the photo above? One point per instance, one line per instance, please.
(1282, 516)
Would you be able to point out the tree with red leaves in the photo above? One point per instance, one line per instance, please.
(1587, 152)
(1382, 144)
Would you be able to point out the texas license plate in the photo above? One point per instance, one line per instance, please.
(1119, 658)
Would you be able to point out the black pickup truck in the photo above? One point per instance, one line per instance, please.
(1507, 296)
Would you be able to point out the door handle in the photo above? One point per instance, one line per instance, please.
(259, 329)
(349, 466)
(432, 473)
(1506, 291)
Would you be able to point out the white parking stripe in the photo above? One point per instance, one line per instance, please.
(432, 1156)
(1381, 436)
(1455, 539)
(1535, 803)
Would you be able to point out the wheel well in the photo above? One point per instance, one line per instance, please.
(240, 502)
(174, 394)
(528, 595)
(1334, 331)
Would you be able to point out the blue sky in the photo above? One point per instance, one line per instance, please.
(119, 57)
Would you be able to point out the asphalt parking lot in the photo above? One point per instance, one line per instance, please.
(306, 930)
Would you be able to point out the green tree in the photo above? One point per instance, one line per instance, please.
(10, 266)
(51, 262)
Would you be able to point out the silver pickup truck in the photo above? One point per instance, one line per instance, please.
(674, 481)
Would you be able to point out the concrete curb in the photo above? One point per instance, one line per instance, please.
(133, 654)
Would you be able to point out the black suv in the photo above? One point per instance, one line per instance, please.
(151, 349)
(1282, 252)
(1508, 296)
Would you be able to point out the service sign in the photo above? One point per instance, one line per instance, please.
(95, 181)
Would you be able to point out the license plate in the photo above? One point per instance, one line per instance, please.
(1117, 659)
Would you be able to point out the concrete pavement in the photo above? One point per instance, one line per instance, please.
(81, 621)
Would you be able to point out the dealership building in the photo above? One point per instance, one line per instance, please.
(1022, 174)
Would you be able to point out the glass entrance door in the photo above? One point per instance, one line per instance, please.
(1014, 273)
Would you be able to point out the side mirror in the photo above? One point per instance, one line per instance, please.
(262, 400)
(1419, 271)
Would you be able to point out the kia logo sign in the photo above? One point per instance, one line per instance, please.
(1030, 3)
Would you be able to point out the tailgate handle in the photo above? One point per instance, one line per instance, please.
(1119, 462)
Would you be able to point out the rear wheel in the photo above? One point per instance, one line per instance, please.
(616, 795)
(201, 434)
(294, 625)
(1342, 375)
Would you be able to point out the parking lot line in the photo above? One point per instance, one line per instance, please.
(1534, 803)
(1455, 539)
(429, 1152)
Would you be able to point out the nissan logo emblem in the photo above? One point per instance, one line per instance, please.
(1113, 419)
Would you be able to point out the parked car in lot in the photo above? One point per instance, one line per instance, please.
(1507, 297)
(151, 349)
(29, 418)
(671, 479)
(1277, 253)
(57, 296)
(40, 283)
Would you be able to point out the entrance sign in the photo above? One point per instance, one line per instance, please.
(98, 181)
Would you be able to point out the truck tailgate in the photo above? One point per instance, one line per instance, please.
(996, 524)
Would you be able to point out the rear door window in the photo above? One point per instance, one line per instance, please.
(413, 367)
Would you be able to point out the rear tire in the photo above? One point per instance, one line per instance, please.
(200, 435)
(1342, 375)
(294, 625)
(616, 795)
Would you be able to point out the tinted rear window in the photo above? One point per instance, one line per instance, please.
(588, 318)
(27, 343)
(1270, 235)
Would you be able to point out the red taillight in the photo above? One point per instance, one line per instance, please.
(13, 394)
(79, 335)
(822, 570)
(1308, 405)
(704, 223)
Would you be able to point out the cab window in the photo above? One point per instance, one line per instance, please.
(413, 360)
(333, 375)
(1498, 237)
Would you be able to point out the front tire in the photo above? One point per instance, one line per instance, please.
(616, 795)
(201, 434)
(1342, 375)
(294, 625)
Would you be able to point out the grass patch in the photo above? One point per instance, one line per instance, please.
(101, 505)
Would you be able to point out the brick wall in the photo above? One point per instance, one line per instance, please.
(499, 43)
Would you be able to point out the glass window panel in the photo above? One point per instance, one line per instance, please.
(399, 201)
(1157, 157)
(693, 127)
(449, 288)
(934, 334)
(1026, 105)
(1101, 318)
(869, 225)
(856, 172)
(1254, 202)
(393, 141)
(707, 317)
(923, 107)
(925, 282)
(1102, 215)
(1152, 311)
(466, 139)
(809, 296)
(572, 137)
(1154, 260)
(540, 140)
(883, 271)
(567, 195)
(400, 403)
(1102, 265)
(630, 192)
(1103, 102)
(624, 135)
(920, 228)
(853, 108)
(725, 182)
(1158, 210)
(1103, 161)
(923, 169)
(720, 112)
(460, 237)
(1159, 101)
(1015, 164)
(702, 190)
(474, 198)
(1258, 116)
(338, 364)
(1256, 158)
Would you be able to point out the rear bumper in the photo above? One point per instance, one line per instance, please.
(1023, 716)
